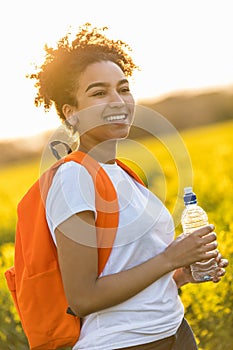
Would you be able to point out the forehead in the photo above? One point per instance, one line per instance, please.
(104, 71)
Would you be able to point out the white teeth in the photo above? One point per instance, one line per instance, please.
(116, 117)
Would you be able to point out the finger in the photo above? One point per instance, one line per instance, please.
(210, 247)
(209, 254)
(216, 279)
(210, 237)
(218, 258)
(204, 230)
(223, 263)
(219, 274)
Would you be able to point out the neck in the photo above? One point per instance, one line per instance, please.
(103, 153)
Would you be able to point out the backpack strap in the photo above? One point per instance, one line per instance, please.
(106, 205)
(130, 171)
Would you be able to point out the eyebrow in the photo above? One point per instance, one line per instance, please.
(101, 84)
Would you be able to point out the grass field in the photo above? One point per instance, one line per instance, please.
(200, 157)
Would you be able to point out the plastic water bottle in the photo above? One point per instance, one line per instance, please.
(193, 218)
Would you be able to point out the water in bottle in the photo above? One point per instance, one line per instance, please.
(193, 218)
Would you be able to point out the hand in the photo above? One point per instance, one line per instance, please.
(187, 249)
(186, 274)
(222, 263)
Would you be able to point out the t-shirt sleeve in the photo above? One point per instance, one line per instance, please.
(72, 191)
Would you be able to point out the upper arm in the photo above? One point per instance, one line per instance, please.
(78, 256)
(72, 191)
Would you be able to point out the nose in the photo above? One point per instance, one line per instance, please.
(116, 100)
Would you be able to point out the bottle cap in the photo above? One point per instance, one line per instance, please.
(189, 196)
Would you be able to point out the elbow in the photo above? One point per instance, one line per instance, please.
(76, 310)
(81, 308)
(84, 301)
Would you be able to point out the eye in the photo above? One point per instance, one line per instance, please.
(99, 93)
(124, 89)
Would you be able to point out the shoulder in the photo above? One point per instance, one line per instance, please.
(72, 166)
(70, 178)
(72, 169)
(71, 183)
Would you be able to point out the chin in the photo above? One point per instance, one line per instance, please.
(120, 136)
(123, 137)
(123, 133)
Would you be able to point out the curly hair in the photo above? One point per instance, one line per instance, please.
(57, 78)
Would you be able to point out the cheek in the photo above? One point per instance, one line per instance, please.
(90, 118)
(131, 107)
(131, 103)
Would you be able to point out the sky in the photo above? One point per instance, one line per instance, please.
(180, 45)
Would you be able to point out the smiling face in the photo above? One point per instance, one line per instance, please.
(105, 104)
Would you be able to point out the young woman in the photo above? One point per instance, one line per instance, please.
(134, 303)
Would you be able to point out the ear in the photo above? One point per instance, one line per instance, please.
(70, 114)
(67, 110)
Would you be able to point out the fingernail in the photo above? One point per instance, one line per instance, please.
(211, 226)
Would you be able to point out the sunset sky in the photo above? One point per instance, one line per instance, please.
(178, 44)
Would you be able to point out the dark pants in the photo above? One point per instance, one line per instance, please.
(182, 340)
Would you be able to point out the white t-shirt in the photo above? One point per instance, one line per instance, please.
(145, 229)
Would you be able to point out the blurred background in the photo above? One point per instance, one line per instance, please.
(185, 54)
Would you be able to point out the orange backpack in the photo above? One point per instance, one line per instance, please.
(35, 279)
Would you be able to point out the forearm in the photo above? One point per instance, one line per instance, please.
(113, 289)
